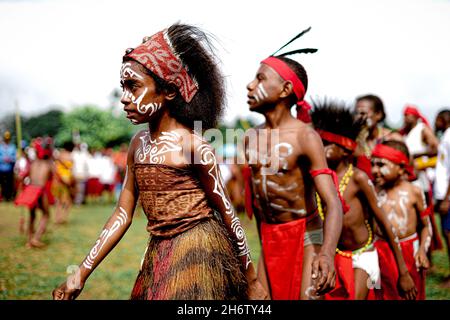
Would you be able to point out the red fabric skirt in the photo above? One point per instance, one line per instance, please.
(345, 280)
(94, 187)
(282, 245)
(31, 194)
(389, 270)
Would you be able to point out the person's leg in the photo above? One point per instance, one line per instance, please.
(307, 291)
(262, 274)
(30, 229)
(36, 241)
(361, 281)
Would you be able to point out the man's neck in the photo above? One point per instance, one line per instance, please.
(277, 116)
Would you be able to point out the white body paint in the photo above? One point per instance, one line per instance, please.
(400, 219)
(208, 159)
(154, 151)
(104, 236)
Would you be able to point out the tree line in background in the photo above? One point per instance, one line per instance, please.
(97, 127)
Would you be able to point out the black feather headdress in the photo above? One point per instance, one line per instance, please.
(305, 50)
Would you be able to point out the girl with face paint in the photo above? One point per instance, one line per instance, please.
(405, 207)
(197, 247)
(356, 261)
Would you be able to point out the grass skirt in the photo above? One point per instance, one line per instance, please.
(198, 264)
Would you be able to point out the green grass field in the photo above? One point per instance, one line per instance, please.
(33, 273)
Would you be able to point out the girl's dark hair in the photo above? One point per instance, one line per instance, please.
(299, 71)
(397, 145)
(377, 104)
(334, 116)
(195, 50)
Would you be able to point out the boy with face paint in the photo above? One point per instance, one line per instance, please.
(197, 248)
(356, 261)
(288, 165)
(405, 207)
(370, 110)
(37, 194)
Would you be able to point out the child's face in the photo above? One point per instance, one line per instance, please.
(265, 88)
(139, 96)
(385, 171)
(333, 152)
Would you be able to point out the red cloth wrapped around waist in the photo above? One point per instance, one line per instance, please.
(389, 270)
(29, 196)
(345, 280)
(282, 245)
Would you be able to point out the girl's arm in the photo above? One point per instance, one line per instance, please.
(111, 234)
(207, 168)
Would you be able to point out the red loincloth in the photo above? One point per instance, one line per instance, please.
(345, 280)
(31, 194)
(363, 163)
(389, 270)
(247, 175)
(282, 245)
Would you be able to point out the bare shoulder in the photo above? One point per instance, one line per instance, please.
(360, 177)
(136, 139)
(416, 190)
(307, 136)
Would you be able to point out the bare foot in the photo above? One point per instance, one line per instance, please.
(35, 244)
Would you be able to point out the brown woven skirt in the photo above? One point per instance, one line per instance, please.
(198, 264)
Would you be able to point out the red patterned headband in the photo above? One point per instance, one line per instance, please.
(338, 139)
(157, 55)
(287, 74)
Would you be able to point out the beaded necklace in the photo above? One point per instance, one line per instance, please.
(342, 186)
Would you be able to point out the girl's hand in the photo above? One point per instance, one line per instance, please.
(68, 290)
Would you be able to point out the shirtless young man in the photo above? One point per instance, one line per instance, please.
(356, 261)
(287, 164)
(37, 195)
(406, 209)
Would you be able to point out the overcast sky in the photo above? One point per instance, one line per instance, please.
(68, 53)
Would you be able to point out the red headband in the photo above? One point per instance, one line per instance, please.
(338, 139)
(412, 110)
(287, 74)
(394, 155)
(157, 55)
(43, 147)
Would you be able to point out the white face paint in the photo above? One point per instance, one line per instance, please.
(261, 93)
(385, 170)
(104, 236)
(127, 72)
